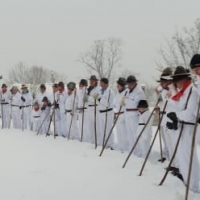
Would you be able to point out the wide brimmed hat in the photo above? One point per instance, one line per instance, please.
(4, 85)
(104, 80)
(23, 86)
(83, 82)
(195, 61)
(71, 85)
(42, 86)
(131, 79)
(121, 81)
(93, 77)
(180, 73)
(61, 84)
(166, 75)
(143, 104)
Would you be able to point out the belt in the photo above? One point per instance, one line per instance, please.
(187, 123)
(4, 103)
(107, 110)
(119, 113)
(131, 109)
(25, 106)
(141, 124)
(68, 111)
(36, 116)
(92, 105)
(81, 108)
(15, 105)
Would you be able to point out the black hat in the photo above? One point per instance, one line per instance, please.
(166, 75)
(93, 77)
(195, 61)
(131, 79)
(121, 81)
(104, 80)
(4, 85)
(45, 99)
(61, 84)
(71, 85)
(143, 104)
(42, 86)
(83, 82)
(180, 73)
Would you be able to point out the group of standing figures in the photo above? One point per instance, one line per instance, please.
(90, 112)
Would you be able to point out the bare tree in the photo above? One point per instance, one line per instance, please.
(181, 47)
(103, 57)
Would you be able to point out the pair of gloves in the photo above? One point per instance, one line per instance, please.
(174, 124)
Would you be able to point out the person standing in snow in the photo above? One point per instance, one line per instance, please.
(71, 112)
(185, 116)
(122, 138)
(145, 139)
(5, 96)
(35, 117)
(26, 106)
(131, 100)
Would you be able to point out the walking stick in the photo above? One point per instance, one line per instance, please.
(177, 143)
(83, 114)
(70, 126)
(150, 148)
(53, 113)
(23, 117)
(137, 140)
(95, 122)
(106, 121)
(192, 153)
(115, 122)
(162, 159)
(10, 112)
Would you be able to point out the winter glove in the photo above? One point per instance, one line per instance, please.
(20, 107)
(49, 104)
(85, 98)
(122, 102)
(172, 116)
(23, 99)
(169, 125)
(43, 108)
(199, 120)
(56, 106)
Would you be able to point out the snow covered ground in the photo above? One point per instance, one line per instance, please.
(39, 168)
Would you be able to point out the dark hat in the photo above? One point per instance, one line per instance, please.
(93, 77)
(104, 80)
(83, 82)
(131, 79)
(121, 81)
(42, 86)
(143, 104)
(180, 73)
(23, 86)
(55, 85)
(61, 84)
(71, 85)
(4, 85)
(166, 75)
(45, 99)
(195, 61)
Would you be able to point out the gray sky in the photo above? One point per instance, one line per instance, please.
(53, 33)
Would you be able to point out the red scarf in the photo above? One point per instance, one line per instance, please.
(36, 109)
(61, 90)
(179, 94)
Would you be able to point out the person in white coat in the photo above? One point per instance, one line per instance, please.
(15, 108)
(106, 114)
(35, 117)
(61, 101)
(195, 66)
(92, 101)
(42, 93)
(134, 95)
(71, 112)
(5, 96)
(26, 107)
(145, 139)
(184, 115)
(83, 110)
(119, 109)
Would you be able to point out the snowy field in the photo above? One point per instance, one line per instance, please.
(39, 168)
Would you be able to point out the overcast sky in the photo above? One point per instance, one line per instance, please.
(53, 33)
